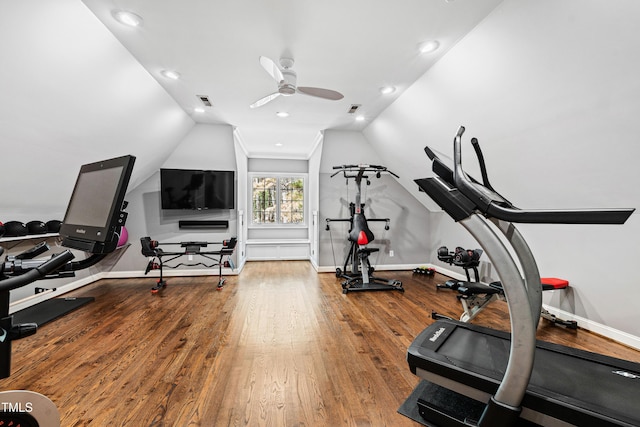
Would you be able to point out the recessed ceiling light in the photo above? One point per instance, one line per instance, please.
(282, 114)
(386, 90)
(360, 118)
(127, 18)
(278, 144)
(429, 46)
(198, 110)
(170, 74)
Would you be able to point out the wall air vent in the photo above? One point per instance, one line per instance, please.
(353, 108)
(205, 100)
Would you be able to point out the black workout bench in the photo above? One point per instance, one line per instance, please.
(476, 296)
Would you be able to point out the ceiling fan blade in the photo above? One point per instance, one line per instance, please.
(271, 68)
(264, 100)
(321, 93)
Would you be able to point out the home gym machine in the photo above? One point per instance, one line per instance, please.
(93, 218)
(151, 248)
(357, 270)
(476, 376)
(475, 296)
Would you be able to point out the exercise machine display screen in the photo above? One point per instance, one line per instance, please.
(90, 185)
(94, 213)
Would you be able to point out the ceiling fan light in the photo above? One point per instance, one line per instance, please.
(127, 18)
(429, 46)
(170, 74)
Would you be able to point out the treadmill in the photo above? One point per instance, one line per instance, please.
(476, 376)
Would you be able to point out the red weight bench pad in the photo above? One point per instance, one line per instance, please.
(552, 283)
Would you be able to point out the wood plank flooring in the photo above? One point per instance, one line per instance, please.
(280, 345)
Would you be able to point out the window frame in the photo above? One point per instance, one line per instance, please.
(278, 176)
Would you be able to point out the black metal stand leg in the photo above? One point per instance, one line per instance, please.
(161, 283)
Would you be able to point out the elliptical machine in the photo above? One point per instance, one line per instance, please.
(357, 269)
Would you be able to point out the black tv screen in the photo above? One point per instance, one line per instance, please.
(94, 211)
(197, 189)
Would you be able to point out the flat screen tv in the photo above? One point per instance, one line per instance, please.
(94, 213)
(197, 189)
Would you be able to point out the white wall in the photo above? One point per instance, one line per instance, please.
(313, 194)
(204, 147)
(409, 231)
(72, 94)
(550, 88)
(242, 167)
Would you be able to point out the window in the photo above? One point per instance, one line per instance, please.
(277, 199)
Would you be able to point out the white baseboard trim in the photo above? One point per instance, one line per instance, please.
(598, 328)
(38, 298)
(171, 273)
(286, 258)
(449, 273)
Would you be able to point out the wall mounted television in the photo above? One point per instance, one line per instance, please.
(197, 189)
(95, 210)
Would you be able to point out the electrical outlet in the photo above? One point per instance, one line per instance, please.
(391, 253)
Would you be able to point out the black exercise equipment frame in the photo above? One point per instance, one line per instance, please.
(151, 248)
(360, 276)
(20, 270)
(8, 331)
(475, 296)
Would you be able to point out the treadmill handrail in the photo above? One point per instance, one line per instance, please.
(483, 166)
(491, 203)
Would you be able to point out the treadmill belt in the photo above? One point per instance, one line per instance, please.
(489, 356)
(568, 377)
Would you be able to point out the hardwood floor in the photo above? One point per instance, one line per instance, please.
(280, 345)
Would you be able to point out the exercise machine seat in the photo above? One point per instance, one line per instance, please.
(360, 232)
(553, 283)
(474, 288)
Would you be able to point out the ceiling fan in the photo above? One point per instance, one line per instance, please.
(286, 79)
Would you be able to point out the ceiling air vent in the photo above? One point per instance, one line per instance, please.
(354, 108)
(205, 100)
